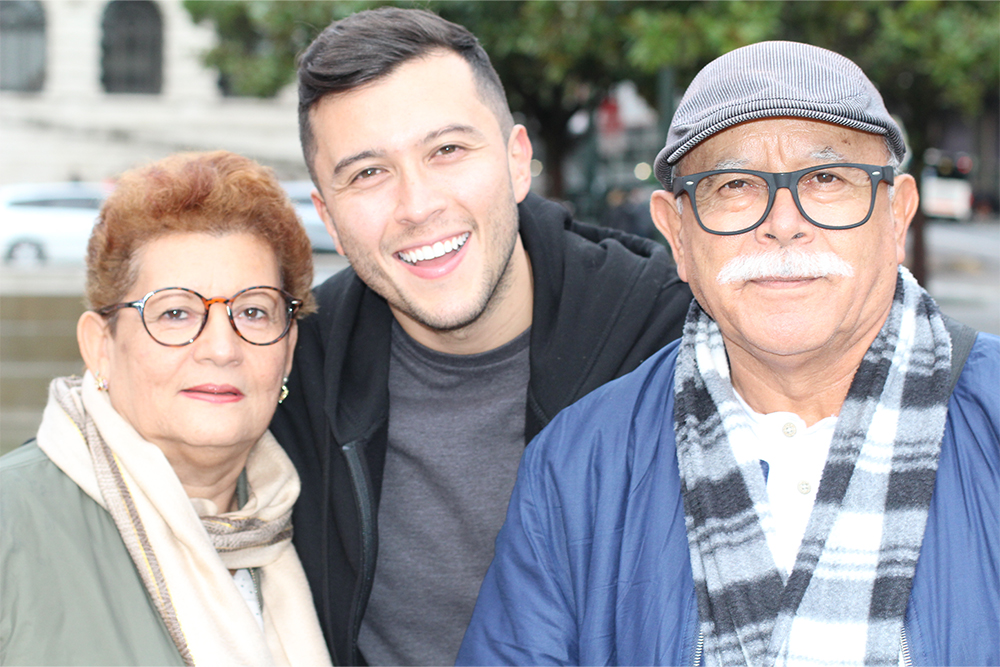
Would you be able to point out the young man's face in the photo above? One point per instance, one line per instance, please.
(419, 185)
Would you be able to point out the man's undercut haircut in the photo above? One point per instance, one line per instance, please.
(370, 45)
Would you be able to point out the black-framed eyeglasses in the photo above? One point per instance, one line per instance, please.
(176, 316)
(831, 196)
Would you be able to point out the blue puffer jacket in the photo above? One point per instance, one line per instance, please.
(592, 564)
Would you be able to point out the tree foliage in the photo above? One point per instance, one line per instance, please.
(258, 41)
(927, 56)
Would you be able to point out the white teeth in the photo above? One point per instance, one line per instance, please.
(439, 249)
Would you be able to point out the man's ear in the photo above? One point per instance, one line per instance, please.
(905, 201)
(663, 209)
(324, 215)
(519, 154)
(93, 335)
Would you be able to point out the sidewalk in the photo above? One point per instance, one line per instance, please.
(964, 269)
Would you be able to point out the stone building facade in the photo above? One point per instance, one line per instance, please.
(89, 88)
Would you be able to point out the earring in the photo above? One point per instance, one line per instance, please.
(284, 390)
(102, 384)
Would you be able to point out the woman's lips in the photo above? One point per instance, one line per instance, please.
(214, 393)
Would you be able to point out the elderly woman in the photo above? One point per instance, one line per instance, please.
(150, 521)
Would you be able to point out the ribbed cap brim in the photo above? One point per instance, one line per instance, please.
(770, 80)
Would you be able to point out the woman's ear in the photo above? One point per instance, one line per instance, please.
(293, 337)
(93, 335)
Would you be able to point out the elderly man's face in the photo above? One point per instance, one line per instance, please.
(789, 316)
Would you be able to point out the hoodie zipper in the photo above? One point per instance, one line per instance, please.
(363, 497)
(698, 649)
(904, 648)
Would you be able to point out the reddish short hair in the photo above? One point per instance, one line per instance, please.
(214, 193)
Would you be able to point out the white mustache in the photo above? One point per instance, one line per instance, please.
(787, 264)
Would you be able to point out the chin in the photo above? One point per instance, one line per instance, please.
(441, 318)
(447, 322)
(222, 434)
(787, 334)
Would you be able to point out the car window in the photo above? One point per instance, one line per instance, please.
(92, 203)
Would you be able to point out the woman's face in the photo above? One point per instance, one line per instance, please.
(213, 398)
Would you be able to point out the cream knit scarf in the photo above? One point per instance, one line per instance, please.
(183, 558)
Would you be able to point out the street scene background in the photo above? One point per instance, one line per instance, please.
(90, 88)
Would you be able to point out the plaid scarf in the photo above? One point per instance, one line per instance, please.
(845, 598)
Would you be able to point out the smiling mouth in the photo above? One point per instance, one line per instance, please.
(438, 249)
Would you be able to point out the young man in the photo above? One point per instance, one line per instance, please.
(472, 313)
(810, 476)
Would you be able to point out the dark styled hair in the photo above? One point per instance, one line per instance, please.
(215, 193)
(371, 44)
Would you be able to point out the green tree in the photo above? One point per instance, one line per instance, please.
(928, 57)
(259, 41)
(553, 57)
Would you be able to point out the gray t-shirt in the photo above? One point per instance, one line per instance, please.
(456, 435)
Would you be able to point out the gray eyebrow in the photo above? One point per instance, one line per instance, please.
(731, 163)
(431, 136)
(828, 154)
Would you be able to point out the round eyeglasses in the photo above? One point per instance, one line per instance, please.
(176, 316)
(831, 196)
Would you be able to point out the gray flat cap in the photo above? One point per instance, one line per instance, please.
(773, 79)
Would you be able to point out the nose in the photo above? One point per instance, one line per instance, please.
(419, 196)
(218, 341)
(784, 223)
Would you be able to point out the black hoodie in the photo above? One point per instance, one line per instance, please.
(603, 302)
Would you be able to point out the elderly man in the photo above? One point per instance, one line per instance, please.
(800, 480)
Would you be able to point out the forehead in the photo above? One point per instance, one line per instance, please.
(788, 143)
(420, 94)
(205, 262)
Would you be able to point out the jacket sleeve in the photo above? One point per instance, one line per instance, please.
(953, 616)
(524, 615)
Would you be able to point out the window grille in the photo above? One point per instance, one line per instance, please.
(132, 47)
(22, 45)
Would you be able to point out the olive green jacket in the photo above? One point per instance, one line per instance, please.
(69, 593)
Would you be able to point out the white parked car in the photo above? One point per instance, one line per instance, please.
(51, 222)
(48, 222)
(299, 192)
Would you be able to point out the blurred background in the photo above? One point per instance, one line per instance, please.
(89, 88)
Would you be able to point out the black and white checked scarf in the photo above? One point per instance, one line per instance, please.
(844, 601)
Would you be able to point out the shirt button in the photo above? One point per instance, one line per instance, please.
(805, 488)
(789, 430)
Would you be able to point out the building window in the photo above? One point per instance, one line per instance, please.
(132, 47)
(22, 45)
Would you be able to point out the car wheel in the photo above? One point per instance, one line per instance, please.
(25, 253)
